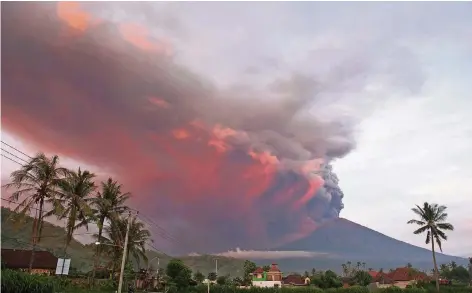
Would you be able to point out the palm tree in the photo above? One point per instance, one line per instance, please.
(76, 189)
(432, 219)
(345, 270)
(37, 181)
(114, 241)
(108, 205)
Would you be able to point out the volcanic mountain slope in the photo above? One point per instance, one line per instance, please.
(344, 241)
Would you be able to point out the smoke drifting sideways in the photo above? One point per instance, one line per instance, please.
(216, 167)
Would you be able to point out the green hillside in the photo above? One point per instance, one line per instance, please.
(18, 235)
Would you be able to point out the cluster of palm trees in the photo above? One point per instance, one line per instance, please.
(54, 191)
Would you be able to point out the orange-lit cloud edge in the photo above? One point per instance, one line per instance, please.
(246, 182)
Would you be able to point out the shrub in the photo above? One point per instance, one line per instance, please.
(19, 282)
(426, 290)
(353, 289)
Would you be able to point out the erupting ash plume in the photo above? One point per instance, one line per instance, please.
(239, 168)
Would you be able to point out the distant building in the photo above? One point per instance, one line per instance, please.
(206, 281)
(270, 279)
(400, 277)
(17, 259)
(296, 280)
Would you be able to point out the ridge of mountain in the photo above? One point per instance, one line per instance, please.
(343, 240)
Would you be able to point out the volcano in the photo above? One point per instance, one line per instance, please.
(341, 240)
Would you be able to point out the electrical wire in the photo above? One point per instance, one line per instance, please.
(162, 232)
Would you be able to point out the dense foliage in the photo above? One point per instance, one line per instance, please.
(178, 273)
(355, 289)
(452, 271)
(18, 282)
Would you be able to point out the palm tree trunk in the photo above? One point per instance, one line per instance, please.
(68, 238)
(37, 234)
(436, 275)
(40, 220)
(35, 225)
(64, 262)
(97, 258)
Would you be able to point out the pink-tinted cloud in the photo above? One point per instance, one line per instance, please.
(226, 168)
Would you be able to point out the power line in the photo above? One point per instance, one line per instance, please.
(16, 149)
(163, 233)
(11, 159)
(14, 155)
(165, 236)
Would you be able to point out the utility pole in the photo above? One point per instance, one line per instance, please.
(216, 274)
(34, 239)
(123, 259)
(65, 248)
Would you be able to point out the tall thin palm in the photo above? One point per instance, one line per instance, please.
(115, 238)
(432, 220)
(108, 206)
(76, 189)
(109, 203)
(37, 183)
(137, 237)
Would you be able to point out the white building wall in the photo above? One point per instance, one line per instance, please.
(266, 284)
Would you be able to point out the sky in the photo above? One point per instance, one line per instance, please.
(219, 122)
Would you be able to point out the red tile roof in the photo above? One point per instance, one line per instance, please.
(274, 268)
(294, 280)
(383, 279)
(373, 274)
(258, 270)
(19, 259)
(406, 274)
(422, 276)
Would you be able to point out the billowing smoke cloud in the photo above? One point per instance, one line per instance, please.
(247, 167)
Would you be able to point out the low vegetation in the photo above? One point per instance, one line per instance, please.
(19, 282)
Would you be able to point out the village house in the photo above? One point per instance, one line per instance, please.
(17, 259)
(295, 280)
(270, 279)
(400, 277)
